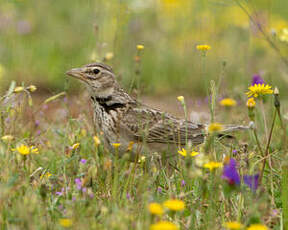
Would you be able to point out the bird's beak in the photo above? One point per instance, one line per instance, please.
(77, 73)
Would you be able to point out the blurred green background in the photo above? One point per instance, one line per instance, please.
(41, 39)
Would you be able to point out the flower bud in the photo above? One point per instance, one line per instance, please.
(251, 103)
(181, 99)
(32, 88)
(276, 98)
(18, 89)
(140, 47)
(109, 56)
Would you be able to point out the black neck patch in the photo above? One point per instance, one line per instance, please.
(107, 104)
(101, 99)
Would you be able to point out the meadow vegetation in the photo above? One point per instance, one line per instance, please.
(55, 172)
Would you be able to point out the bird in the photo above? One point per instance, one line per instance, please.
(134, 126)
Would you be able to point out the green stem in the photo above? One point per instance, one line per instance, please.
(258, 142)
(284, 195)
(283, 127)
(284, 180)
(264, 118)
(212, 98)
(267, 147)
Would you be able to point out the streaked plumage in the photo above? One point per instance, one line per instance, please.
(122, 119)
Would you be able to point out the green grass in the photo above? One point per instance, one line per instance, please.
(40, 40)
(117, 192)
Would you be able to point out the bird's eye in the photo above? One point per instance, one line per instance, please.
(96, 71)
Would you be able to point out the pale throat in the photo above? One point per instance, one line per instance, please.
(101, 93)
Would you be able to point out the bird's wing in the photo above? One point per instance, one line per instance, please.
(153, 126)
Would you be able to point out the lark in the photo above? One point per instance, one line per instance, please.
(138, 128)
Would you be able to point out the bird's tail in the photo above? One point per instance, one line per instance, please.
(228, 129)
(232, 128)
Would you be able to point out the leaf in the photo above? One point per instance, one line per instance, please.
(54, 97)
(11, 88)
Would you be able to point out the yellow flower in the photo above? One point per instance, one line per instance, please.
(228, 102)
(259, 90)
(257, 227)
(75, 146)
(164, 225)
(32, 88)
(193, 154)
(284, 35)
(116, 145)
(34, 150)
(130, 146)
(203, 47)
(155, 209)
(214, 127)
(23, 149)
(109, 56)
(234, 225)
(7, 138)
(142, 159)
(212, 165)
(174, 204)
(65, 222)
(45, 175)
(251, 102)
(96, 141)
(18, 89)
(183, 152)
(171, 8)
(140, 47)
(181, 99)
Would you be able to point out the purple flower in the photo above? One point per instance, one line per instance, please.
(252, 181)
(84, 190)
(37, 123)
(78, 182)
(230, 173)
(275, 212)
(257, 79)
(60, 193)
(83, 161)
(128, 196)
(159, 189)
(183, 183)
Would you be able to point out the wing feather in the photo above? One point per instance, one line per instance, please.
(153, 126)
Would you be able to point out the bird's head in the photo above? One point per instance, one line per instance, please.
(98, 77)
